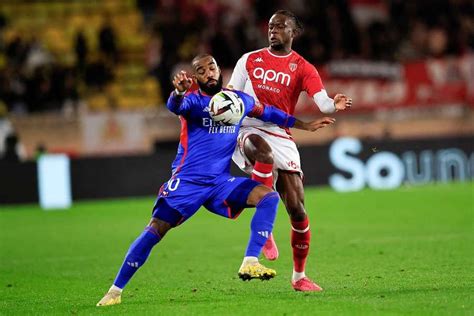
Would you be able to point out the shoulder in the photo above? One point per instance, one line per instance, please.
(305, 66)
(192, 95)
(254, 53)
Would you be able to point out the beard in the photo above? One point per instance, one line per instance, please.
(211, 90)
(277, 46)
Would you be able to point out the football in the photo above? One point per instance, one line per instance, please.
(226, 108)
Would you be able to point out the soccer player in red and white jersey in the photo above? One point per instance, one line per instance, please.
(277, 75)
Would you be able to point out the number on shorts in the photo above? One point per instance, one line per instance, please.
(173, 184)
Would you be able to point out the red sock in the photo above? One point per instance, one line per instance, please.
(300, 238)
(263, 173)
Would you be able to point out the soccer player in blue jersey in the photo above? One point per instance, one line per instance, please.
(200, 175)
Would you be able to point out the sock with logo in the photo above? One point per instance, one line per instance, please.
(263, 173)
(137, 255)
(262, 223)
(300, 238)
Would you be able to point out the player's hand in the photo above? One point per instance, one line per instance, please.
(342, 102)
(182, 81)
(314, 125)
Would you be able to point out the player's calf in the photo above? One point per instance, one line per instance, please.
(261, 225)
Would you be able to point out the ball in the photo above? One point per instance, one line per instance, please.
(226, 108)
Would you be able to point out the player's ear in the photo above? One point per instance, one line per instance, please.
(294, 31)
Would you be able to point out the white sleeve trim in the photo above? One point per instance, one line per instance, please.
(324, 102)
(239, 75)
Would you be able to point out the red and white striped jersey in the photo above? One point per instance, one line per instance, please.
(275, 80)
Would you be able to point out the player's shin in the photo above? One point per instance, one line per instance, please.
(260, 228)
(263, 173)
(300, 239)
(137, 255)
(262, 223)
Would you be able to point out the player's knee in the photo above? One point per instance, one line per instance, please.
(266, 212)
(270, 197)
(269, 202)
(161, 226)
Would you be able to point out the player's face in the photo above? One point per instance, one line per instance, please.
(206, 71)
(280, 31)
(208, 75)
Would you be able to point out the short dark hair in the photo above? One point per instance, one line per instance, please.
(299, 28)
(200, 56)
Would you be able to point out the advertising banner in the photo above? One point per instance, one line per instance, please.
(351, 164)
(382, 85)
(346, 164)
(113, 132)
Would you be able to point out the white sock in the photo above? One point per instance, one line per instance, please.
(248, 260)
(297, 275)
(115, 288)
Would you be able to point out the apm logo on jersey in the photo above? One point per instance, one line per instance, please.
(271, 76)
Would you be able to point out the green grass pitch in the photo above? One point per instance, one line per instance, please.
(407, 251)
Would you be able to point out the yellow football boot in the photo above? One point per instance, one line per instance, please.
(255, 270)
(112, 297)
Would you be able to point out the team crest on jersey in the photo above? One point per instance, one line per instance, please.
(293, 67)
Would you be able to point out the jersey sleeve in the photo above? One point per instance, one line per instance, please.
(179, 105)
(239, 75)
(312, 82)
(313, 85)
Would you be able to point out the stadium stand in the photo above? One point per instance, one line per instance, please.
(94, 47)
(404, 63)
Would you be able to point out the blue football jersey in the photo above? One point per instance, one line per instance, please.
(205, 149)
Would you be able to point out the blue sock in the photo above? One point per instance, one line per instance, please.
(262, 223)
(137, 255)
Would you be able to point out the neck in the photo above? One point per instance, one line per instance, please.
(280, 52)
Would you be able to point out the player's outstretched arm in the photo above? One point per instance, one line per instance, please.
(328, 105)
(176, 103)
(268, 113)
(182, 82)
(314, 125)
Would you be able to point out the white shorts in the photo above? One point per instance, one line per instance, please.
(285, 154)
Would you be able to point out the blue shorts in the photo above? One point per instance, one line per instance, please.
(181, 198)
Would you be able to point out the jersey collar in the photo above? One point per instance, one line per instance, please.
(278, 56)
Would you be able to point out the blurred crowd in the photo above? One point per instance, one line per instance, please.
(32, 79)
(391, 30)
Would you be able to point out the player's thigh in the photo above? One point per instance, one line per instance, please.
(163, 212)
(257, 149)
(284, 151)
(230, 197)
(251, 146)
(179, 199)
